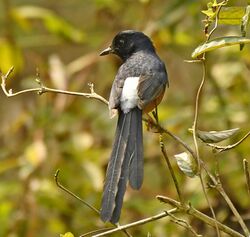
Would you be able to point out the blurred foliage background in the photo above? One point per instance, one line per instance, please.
(39, 134)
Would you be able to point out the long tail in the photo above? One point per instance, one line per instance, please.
(126, 162)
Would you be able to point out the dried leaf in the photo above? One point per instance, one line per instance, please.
(216, 136)
(186, 164)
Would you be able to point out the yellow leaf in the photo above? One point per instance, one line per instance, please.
(68, 234)
(10, 55)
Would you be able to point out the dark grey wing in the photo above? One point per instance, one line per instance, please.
(116, 90)
(115, 94)
(150, 87)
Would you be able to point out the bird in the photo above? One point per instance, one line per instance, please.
(138, 88)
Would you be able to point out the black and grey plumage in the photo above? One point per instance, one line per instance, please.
(138, 88)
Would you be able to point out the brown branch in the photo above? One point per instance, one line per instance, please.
(44, 89)
(247, 174)
(237, 215)
(184, 224)
(188, 209)
(218, 186)
(161, 129)
(137, 223)
(165, 155)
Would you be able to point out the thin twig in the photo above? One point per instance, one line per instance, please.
(197, 103)
(179, 140)
(72, 194)
(216, 20)
(218, 186)
(188, 209)
(247, 174)
(226, 148)
(81, 200)
(44, 89)
(164, 152)
(196, 112)
(194, 127)
(166, 131)
(209, 203)
(184, 224)
(137, 223)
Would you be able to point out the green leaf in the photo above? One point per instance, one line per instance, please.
(216, 136)
(212, 9)
(210, 13)
(231, 15)
(219, 43)
(186, 164)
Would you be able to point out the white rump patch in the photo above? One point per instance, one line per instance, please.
(129, 97)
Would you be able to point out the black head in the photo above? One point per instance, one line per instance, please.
(125, 43)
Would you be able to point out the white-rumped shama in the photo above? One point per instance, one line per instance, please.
(138, 87)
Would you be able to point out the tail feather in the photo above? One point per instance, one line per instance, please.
(136, 164)
(128, 141)
(114, 167)
(121, 189)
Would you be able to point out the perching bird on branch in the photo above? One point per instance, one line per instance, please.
(138, 88)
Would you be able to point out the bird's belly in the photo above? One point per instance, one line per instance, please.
(150, 106)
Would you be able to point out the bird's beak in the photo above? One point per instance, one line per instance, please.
(106, 51)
